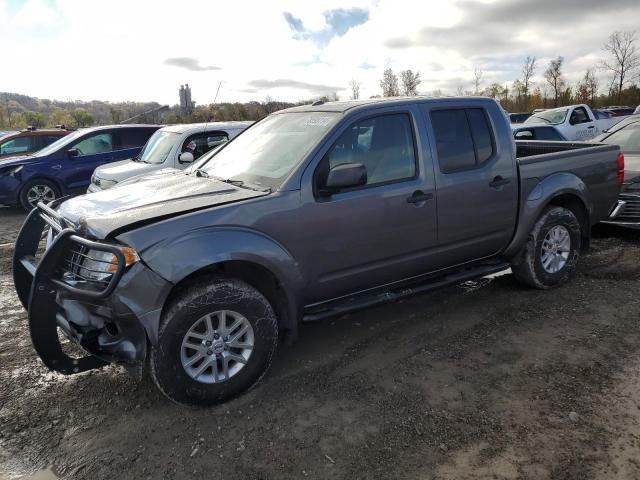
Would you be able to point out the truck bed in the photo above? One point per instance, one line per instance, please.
(595, 164)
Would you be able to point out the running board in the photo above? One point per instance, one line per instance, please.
(370, 299)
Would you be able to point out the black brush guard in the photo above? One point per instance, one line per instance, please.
(38, 283)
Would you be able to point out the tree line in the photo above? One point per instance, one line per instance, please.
(620, 65)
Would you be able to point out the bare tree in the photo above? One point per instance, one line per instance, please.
(555, 79)
(528, 69)
(624, 58)
(460, 90)
(410, 82)
(355, 89)
(389, 84)
(591, 83)
(477, 79)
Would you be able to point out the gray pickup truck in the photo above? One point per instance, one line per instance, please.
(312, 212)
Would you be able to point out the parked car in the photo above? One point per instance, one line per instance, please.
(313, 212)
(626, 135)
(65, 167)
(29, 140)
(174, 146)
(518, 117)
(575, 122)
(537, 132)
(637, 110)
(620, 111)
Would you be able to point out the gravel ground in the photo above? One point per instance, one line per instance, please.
(484, 380)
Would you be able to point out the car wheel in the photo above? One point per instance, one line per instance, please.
(38, 190)
(551, 253)
(216, 340)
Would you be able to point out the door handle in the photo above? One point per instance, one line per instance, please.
(592, 126)
(419, 197)
(498, 182)
(56, 167)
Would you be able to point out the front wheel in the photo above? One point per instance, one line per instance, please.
(551, 253)
(38, 190)
(216, 340)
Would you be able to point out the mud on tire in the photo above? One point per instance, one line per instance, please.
(183, 322)
(530, 269)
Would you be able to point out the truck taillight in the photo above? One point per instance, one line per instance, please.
(620, 161)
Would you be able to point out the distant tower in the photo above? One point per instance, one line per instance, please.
(186, 104)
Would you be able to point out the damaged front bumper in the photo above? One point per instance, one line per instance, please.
(112, 318)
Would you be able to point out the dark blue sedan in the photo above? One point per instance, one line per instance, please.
(65, 167)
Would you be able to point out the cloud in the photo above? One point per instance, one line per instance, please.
(338, 22)
(188, 63)
(287, 83)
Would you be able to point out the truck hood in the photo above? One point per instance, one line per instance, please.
(123, 169)
(153, 197)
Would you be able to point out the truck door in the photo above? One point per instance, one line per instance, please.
(382, 231)
(583, 125)
(476, 183)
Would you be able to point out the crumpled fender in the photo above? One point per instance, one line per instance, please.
(177, 257)
(539, 197)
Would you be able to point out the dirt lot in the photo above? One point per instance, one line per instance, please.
(484, 380)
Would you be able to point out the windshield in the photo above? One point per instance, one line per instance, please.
(268, 151)
(158, 147)
(628, 138)
(553, 117)
(60, 143)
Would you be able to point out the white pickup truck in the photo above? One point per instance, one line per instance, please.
(575, 122)
(174, 146)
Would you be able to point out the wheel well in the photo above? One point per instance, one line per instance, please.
(577, 206)
(259, 277)
(39, 178)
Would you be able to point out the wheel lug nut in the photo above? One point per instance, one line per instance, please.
(209, 352)
(207, 343)
(216, 336)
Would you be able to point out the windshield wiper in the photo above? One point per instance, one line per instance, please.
(201, 173)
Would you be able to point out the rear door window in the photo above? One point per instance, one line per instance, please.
(463, 138)
(134, 137)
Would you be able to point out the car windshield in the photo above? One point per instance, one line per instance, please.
(268, 151)
(62, 141)
(553, 117)
(628, 138)
(158, 147)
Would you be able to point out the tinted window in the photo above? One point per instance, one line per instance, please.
(453, 140)
(384, 145)
(481, 134)
(548, 133)
(134, 138)
(46, 140)
(100, 143)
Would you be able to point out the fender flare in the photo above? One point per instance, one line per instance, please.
(543, 194)
(178, 257)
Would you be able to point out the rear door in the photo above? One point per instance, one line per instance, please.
(382, 231)
(476, 183)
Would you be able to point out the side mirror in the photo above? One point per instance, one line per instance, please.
(185, 157)
(73, 152)
(345, 175)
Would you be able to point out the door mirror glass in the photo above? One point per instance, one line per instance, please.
(346, 175)
(186, 157)
(73, 152)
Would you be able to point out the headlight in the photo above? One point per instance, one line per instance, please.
(100, 265)
(101, 182)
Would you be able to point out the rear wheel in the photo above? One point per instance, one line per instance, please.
(216, 340)
(551, 253)
(38, 190)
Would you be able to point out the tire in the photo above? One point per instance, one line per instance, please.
(539, 266)
(174, 366)
(42, 189)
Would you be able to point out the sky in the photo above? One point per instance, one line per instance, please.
(143, 50)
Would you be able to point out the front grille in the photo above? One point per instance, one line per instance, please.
(631, 212)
